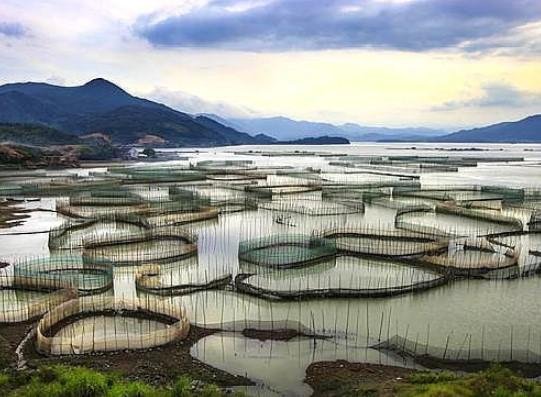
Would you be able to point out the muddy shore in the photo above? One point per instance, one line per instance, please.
(332, 378)
(157, 366)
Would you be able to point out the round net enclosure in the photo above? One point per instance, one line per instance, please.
(64, 272)
(132, 175)
(101, 324)
(474, 258)
(313, 207)
(180, 277)
(156, 245)
(450, 220)
(102, 197)
(286, 251)
(69, 235)
(342, 277)
(385, 243)
(282, 189)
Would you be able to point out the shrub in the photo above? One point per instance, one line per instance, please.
(82, 382)
(431, 377)
(132, 389)
(444, 390)
(182, 387)
(211, 391)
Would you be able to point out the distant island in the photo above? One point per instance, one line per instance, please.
(322, 140)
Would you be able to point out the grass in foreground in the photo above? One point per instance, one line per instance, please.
(494, 382)
(64, 381)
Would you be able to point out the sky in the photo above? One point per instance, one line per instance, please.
(446, 64)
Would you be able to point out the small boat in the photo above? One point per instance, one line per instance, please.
(284, 220)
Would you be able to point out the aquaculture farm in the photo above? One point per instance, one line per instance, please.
(260, 263)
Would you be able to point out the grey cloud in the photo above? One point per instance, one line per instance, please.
(12, 29)
(495, 95)
(330, 24)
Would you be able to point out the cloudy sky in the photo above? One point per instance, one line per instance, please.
(435, 63)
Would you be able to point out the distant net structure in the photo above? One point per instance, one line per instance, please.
(414, 164)
(281, 189)
(468, 351)
(224, 167)
(156, 174)
(535, 221)
(312, 207)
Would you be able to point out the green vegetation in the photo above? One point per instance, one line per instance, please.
(496, 381)
(149, 152)
(35, 134)
(97, 151)
(39, 146)
(64, 381)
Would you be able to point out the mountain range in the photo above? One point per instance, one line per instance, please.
(527, 130)
(283, 128)
(101, 108)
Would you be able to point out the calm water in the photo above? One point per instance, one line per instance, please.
(490, 312)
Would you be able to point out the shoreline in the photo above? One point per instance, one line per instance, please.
(160, 366)
(157, 366)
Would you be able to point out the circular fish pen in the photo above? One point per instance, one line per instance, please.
(286, 251)
(344, 277)
(64, 272)
(179, 278)
(475, 258)
(278, 190)
(385, 243)
(156, 174)
(449, 220)
(69, 236)
(103, 324)
(153, 246)
(171, 218)
(86, 211)
(312, 207)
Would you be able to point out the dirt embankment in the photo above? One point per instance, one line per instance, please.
(11, 215)
(37, 157)
(338, 378)
(157, 366)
